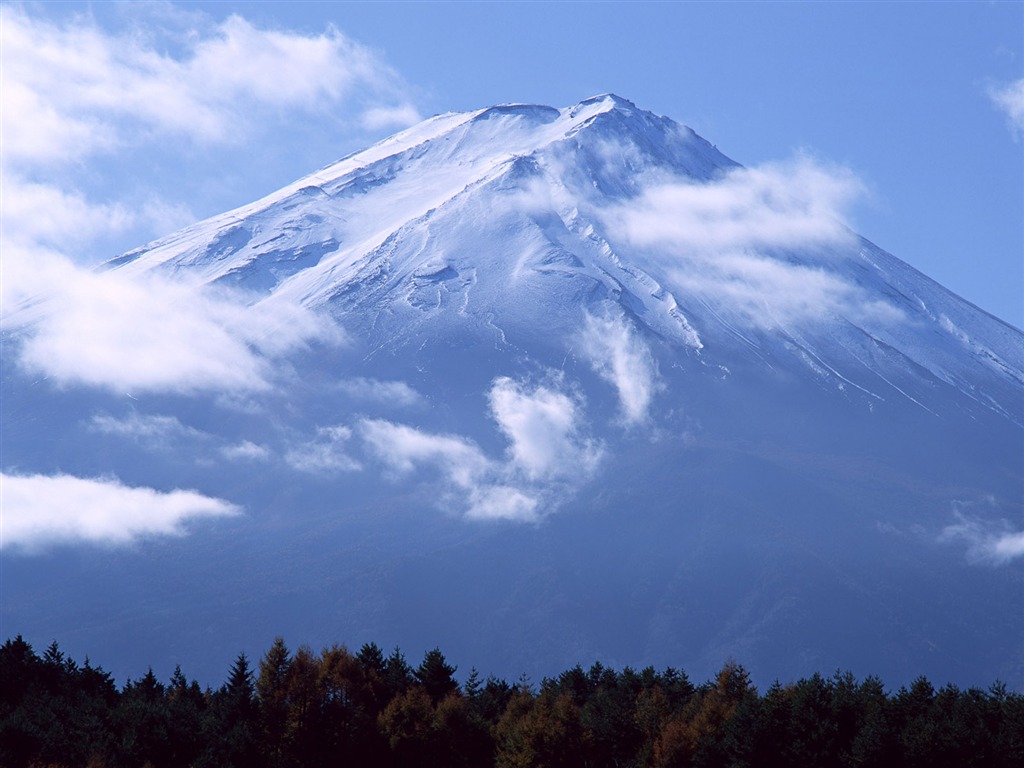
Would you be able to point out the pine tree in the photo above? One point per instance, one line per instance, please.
(397, 674)
(436, 676)
(272, 690)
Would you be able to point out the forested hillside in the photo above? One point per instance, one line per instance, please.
(334, 707)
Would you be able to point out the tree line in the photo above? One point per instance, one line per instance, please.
(338, 708)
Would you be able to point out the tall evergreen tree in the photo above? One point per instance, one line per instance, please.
(436, 676)
(272, 691)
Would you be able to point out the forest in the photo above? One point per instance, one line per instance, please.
(337, 708)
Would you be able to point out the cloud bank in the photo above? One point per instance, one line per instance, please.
(40, 511)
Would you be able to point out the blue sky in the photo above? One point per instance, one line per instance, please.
(124, 121)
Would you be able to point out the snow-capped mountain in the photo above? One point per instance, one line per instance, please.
(484, 221)
(538, 386)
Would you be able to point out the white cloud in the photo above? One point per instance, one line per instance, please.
(73, 88)
(36, 213)
(1008, 546)
(246, 451)
(547, 457)
(768, 292)
(41, 511)
(460, 466)
(1010, 99)
(992, 542)
(148, 429)
(502, 502)
(107, 329)
(620, 357)
(792, 205)
(403, 448)
(325, 454)
(542, 426)
(727, 241)
(385, 392)
(399, 116)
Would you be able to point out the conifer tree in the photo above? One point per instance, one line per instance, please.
(436, 676)
(272, 690)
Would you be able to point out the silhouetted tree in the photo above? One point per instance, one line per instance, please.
(272, 691)
(436, 676)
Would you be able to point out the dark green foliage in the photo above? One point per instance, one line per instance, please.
(436, 676)
(335, 708)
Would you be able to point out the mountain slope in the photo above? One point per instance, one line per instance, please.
(731, 425)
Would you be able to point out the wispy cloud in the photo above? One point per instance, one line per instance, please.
(548, 454)
(727, 241)
(246, 451)
(383, 392)
(461, 469)
(40, 511)
(400, 116)
(326, 453)
(776, 205)
(1009, 99)
(155, 431)
(464, 474)
(994, 542)
(404, 448)
(618, 354)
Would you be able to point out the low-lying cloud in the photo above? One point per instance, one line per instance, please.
(384, 392)
(780, 205)
(620, 357)
(149, 333)
(40, 511)
(543, 427)
(988, 541)
(730, 241)
(548, 454)
(326, 453)
(403, 449)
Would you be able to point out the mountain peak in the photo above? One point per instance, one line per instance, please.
(611, 100)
